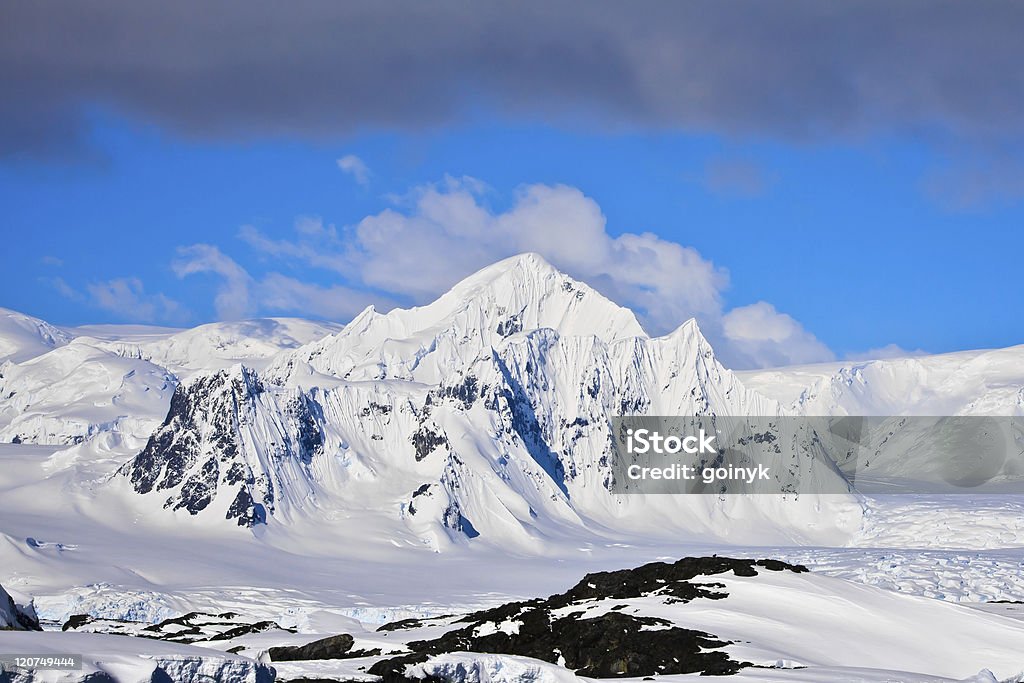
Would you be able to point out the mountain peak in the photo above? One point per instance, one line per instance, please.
(529, 269)
(531, 289)
(689, 330)
(517, 294)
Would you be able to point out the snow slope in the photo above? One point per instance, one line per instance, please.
(23, 337)
(76, 391)
(713, 615)
(987, 382)
(210, 347)
(116, 381)
(900, 452)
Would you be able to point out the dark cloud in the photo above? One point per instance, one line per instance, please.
(978, 178)
(795, 69)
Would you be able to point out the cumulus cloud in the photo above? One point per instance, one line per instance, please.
(437, 234)
(232, 300)
(760, 336)
(240, 295)
(279, 292)
(355, 167)
(442, 232)
(127, 298)
(800, 69)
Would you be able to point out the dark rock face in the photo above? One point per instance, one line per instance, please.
(607, 646)
(198, 451)
(425, 441)
(665, 579)
(511, 325)
(612, 644)
(23, 619)
(194, 627)
(464, 393)
(334, 647)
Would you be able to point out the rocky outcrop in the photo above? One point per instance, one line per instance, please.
(226, 439)
(17, 617)
(611, 644)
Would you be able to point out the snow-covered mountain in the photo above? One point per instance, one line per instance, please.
(425, 344)
(483, 414)
(963, 452)
(989, 382)
(290, 474)
(23, 337)
(210, 347)
(77, 391)
(486, 413)
(67, 385)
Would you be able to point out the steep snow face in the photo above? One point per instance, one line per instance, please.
(548, 400)
(76, 391)
(424, 344)
(962, 383)
(552, 397)
(237, 448)
(228, 445)
(23, 337)
(215, 346)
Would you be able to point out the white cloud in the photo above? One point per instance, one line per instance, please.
(449, 232)
(63, 288)
(760, 336)
(240, 295)
(318, 245)
(281, 293)
(439, 233)
(355, 167)
(128, 298)
(233, 299)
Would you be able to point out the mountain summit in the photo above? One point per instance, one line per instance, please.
(423, 344)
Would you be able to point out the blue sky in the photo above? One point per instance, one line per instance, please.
(847, 239)
(827, 244)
